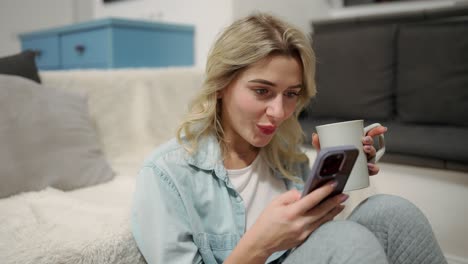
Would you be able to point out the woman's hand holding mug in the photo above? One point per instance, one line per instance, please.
(354, 133)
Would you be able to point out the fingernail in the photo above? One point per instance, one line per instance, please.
(370, 165)
(343, 197)
(334, 184)
(367, 148)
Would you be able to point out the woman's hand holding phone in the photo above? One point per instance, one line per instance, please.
(289, 219)
(332, 164)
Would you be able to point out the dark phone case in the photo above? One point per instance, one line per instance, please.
(315, 180)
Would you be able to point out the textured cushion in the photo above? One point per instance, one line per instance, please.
(432, 79)
(22, 64)
(354, 73)
(47, 139)
(431, 141)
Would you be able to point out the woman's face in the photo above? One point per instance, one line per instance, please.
(261, 98)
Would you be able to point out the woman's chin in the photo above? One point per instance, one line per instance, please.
(261, 142)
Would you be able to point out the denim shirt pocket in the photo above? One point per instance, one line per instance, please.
(215, 248)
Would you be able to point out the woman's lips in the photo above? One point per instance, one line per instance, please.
(267, 130)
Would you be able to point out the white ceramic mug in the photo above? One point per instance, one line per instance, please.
(351, 133)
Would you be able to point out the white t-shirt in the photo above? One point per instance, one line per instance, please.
(257, 186)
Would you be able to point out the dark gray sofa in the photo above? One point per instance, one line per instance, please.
(407, 71)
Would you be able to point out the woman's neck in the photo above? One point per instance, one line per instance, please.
(239, 157)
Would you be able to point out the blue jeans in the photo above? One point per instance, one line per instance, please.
(382, 229)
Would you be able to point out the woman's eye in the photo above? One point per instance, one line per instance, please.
(292, 94)
(261, 91)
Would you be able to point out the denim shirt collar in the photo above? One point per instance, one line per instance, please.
(208, 157)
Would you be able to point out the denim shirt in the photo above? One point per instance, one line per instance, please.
(185, 209)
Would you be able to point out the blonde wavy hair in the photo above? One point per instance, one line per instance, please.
(242, 44)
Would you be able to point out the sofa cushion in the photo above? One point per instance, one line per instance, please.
(21, 64)
(47, 139)
(430, 141)
(432, 79)
(354, 73)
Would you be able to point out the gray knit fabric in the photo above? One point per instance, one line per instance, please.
(382, 229)
(402, 229)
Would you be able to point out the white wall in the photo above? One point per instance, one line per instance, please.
(297, 12)
(208, 17)
(19, 16)
(211, 16)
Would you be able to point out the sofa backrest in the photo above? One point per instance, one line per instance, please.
(411, 67)
(408, 71)
(134, 110)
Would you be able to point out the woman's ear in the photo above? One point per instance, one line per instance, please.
(219, 94)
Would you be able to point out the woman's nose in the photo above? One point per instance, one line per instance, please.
(275, 108)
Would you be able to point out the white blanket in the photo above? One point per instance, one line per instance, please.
(134, 110)
(89, 225)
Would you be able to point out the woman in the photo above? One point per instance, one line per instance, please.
(228, 188)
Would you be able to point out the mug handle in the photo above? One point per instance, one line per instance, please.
(381, 145)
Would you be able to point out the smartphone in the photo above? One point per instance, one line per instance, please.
(332, 163)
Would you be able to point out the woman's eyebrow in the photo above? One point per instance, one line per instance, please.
(262, 81)
(296, 86)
